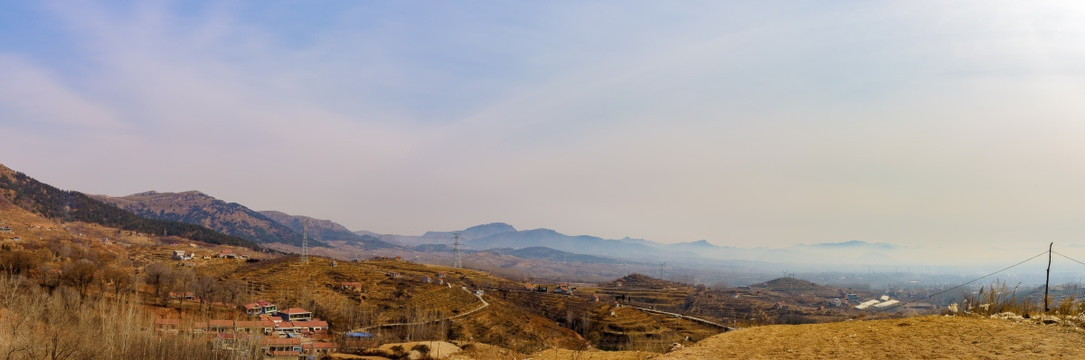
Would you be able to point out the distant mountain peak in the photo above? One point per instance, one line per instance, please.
(474, 232)
(496, 226)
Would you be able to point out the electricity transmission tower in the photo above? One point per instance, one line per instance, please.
(457, 260)
(305, 243)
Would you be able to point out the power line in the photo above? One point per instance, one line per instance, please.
(967, 283)
(1069, 258)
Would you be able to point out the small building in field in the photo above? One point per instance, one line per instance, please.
(183, 295)
(355, 286)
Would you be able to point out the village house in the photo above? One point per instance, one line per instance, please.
(183, 295)
(320, 348)
(260, 307)
(312, 327)
(220, 326)
(355, 286)
(252, 309)
(281, 348)
(167, 325)
(258, 327)
(297, 314)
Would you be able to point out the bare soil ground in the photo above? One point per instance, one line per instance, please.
(927, 337)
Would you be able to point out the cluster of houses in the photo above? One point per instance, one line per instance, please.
(279, 334)
(562, 288)
(223, 254)
(439, 279)
(7, 230)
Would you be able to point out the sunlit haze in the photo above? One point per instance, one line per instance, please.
(932, 125)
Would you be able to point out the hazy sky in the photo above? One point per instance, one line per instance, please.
(746, 123)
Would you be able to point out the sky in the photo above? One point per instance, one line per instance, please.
(771, 123)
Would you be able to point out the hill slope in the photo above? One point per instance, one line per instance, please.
(50, 202)
(928, 337)
(194, 207)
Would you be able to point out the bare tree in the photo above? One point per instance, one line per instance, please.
(79, 274)
(184, 279)
(161, 278)
(206, 288)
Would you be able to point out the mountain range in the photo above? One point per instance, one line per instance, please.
(202, 217)
(194, 207)
(67, 206)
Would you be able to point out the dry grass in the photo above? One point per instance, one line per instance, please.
(928, 337)
(566, 354)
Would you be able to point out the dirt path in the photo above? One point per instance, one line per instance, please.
(690, 318)
(928, 337)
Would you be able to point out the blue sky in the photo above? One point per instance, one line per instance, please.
(749, 124)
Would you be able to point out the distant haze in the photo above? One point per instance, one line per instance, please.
(946, 125)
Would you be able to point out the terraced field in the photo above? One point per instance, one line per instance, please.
(612, 327)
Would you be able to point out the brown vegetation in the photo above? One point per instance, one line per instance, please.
(927, 337)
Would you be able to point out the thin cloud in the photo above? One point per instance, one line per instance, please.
(775, 124)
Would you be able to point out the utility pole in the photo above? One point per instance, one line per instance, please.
(1048, 281)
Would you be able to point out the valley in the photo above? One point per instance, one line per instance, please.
(347, 297)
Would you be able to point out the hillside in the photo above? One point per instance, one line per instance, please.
(70, 206)
(391, 291)
(928, 337)
(194, 207)
(326, 230)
